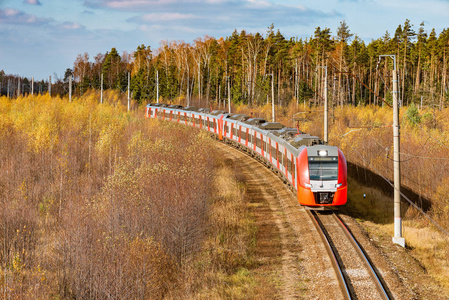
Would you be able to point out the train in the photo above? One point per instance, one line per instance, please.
(317, 172)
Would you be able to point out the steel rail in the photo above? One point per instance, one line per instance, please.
(342, 279)
(368, 264)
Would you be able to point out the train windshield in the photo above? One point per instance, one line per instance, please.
(323, 168)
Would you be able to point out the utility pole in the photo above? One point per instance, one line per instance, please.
(70, 88)
(325, 105)
(157, 86)
(129, 83)
(49, 86)
(273, 115)
(229, 94)
(101, 89)
(32, 85)
(219, 96)
(397, 239)
(18, 87)
(9, 83)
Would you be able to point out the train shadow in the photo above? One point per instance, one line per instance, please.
(370, 197)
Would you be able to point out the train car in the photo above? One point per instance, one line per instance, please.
(317, 172)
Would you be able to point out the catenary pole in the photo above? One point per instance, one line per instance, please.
(397, 238)
(326, 124)
(157, 86)
(229, 94)
(273, 115)
(70, 88)
(101, 89)
(129, 83)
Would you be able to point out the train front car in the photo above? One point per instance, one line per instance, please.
(322, 176)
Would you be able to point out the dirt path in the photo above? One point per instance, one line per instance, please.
(291, 261)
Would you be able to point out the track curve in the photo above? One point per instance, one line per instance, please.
(357, 275)
(287, 244)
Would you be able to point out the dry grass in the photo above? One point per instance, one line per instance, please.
(220, 270)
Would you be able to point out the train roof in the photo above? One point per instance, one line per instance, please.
(239, 117)
(204, 110)
(255, 121)
(158, 104)
(191, 108)
(175, 106)
(217, 112)
(304, 140)
(287, 132)
(292, 137)
(271, 126)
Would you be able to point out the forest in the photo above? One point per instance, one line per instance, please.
(244, 66)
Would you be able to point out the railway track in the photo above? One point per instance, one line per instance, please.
(357, 276)
(355, 273)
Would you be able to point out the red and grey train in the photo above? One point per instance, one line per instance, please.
(317, 172)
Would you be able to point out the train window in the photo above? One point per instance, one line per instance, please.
(293, 166)
(323, 168)
(289, 165)
(243, 135)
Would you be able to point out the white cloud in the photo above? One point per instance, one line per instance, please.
(14, 16)
(72, 25)
(163, 17)
(32, 2)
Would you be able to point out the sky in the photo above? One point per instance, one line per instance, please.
(42, 38)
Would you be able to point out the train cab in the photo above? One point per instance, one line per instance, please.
(322, 176)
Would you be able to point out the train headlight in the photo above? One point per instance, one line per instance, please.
(322, 152)
(338, 185)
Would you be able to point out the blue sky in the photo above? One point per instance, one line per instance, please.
(43, 37)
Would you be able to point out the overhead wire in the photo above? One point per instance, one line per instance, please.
(442, 229)
(406, 154)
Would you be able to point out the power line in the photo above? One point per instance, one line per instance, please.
(444, 231)
(402, 153)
